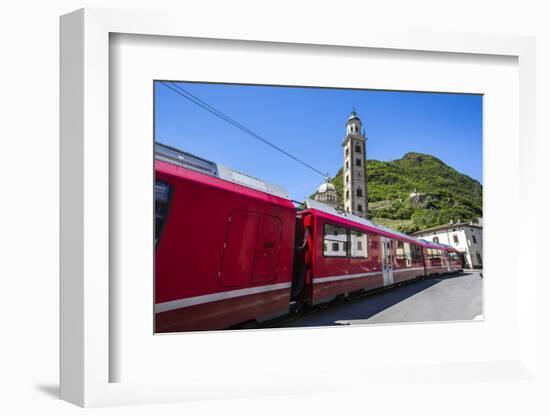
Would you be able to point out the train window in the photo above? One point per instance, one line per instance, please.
(416, 253)
(358, 244)
(403, 253)
(400, 251)
(403, 249)
(335, 241)
(434, 254)
(162, 197)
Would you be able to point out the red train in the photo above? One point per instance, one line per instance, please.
(232, 250)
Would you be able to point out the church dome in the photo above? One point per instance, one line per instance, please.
(326, 187)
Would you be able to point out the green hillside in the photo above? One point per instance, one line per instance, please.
(445, 194)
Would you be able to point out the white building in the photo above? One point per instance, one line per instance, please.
(354, 173)
(466, 237)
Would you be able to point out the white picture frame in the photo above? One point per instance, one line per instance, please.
(87, 302)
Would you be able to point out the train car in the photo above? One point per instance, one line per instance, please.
(434, 258)
(224, 245)
(440, 258)
(454, 261)
(347, 254)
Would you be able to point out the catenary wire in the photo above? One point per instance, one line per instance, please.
(196, 100)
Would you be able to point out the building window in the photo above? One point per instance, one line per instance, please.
(337, 238)
(436, 239)
(360, 208)
(358, 148)
(474, 239)
(357, 162)
(347, 178)
(479, 261)
(347, 151)
(455, 238)
(347, 194)
(347, 164)
(359, 192)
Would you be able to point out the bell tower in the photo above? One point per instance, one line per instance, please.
(354, 172)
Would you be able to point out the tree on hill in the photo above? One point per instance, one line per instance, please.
(446, 193)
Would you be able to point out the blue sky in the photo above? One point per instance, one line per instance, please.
(310, 124)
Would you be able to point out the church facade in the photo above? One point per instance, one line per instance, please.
(327, 194)
(354, 193)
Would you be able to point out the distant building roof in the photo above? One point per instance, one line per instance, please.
(446, 227)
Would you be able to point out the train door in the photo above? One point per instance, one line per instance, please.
(239, 248)
(387, 261)
(251, 249)
(268, 248)
(447, 258)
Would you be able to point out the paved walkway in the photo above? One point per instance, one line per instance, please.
(447, 298)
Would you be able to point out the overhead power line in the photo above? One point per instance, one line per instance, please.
(196, 100)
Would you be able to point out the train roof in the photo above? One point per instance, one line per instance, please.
(187, 160)
(353, 220)
(441, 246)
